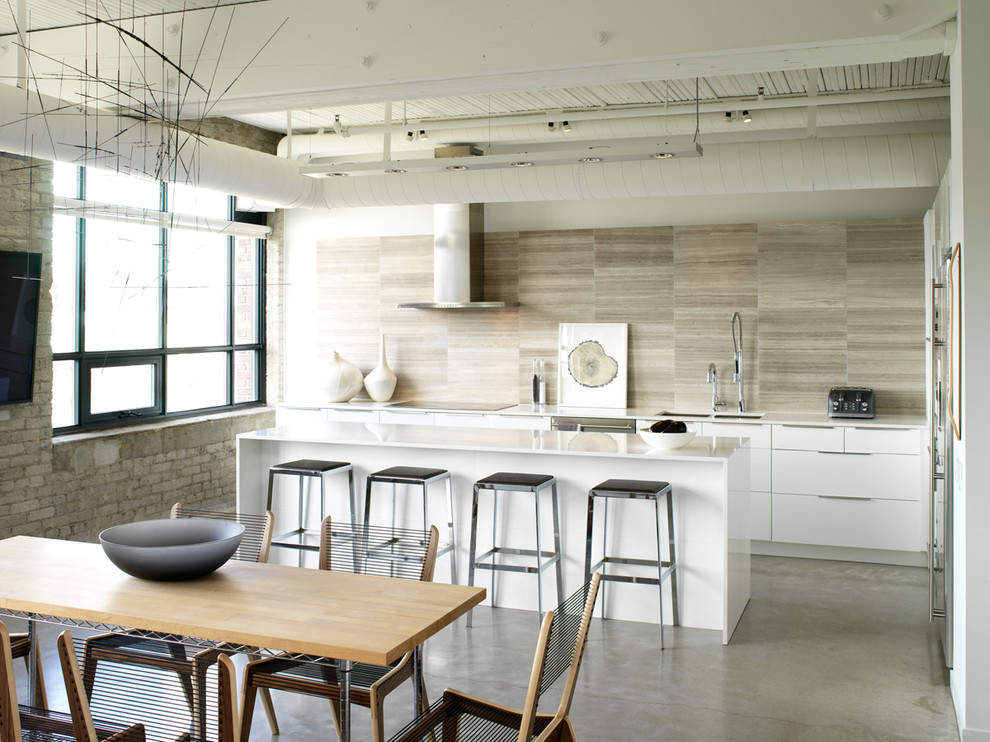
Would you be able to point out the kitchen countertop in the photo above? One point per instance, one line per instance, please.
(642, 413)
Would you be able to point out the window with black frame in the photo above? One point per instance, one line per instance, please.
(157, 301)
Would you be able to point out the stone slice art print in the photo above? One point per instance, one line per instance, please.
(591, 369)
(589, 365)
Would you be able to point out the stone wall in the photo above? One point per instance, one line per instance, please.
(74, 486)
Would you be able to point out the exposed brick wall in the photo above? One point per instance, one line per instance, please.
(80, 484)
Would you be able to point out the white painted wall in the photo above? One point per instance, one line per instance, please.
(970, 225)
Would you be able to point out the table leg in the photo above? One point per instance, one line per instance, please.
(33, 668)
(419, 689)
(345, 700)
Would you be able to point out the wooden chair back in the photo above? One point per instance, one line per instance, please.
(228, 713)
(256, 543)
(82, 718)
(10, 725)
(560, 649)
(381, 550)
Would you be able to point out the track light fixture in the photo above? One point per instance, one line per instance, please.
(422, 135)
(409, 136)
(337, 127)
(734, 117)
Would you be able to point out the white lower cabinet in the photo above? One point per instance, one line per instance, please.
(847, 487)
(850, 522)
(862, 475)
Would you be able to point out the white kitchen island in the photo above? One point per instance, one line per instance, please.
(709, 479)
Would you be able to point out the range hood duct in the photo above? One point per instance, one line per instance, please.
(458, 260)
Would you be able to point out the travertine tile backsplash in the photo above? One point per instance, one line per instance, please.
(823, 304)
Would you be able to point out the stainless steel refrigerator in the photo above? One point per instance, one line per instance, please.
(941, 332)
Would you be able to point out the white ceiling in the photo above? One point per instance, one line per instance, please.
(364, 73)
(728, 91)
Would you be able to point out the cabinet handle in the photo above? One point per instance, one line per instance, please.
(807, 427)
(844, 497)
(847, 453)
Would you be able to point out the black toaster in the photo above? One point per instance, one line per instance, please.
(851, 401)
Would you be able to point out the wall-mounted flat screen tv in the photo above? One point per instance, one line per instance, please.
(20, 284)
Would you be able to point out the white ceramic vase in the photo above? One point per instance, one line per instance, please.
(343, 379)
(380, 383)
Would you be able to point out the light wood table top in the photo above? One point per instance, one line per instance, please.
(361, 618)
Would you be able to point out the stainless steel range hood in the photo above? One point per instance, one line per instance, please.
(458, 260)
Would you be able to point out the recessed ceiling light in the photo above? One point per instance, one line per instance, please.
(662, 155)
(522, 163)
(395, 172)
(336, 175)
(457, 167)
(588, 160)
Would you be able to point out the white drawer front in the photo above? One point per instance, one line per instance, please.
(877, 476)
(807, 438)
(883, 440)
(406, 417)
(460, 420)
(759, 435)
(519, 422)
(870, 524)
(351, 416)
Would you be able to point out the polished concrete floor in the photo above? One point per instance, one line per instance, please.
(825, 652)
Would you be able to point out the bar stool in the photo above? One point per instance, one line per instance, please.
(307, 470)
(516, 482)
(419, 477)
(635, 489)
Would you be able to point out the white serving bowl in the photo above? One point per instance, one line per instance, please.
(666, 440)
(172, 548)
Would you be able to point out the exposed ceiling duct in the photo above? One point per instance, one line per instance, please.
(50, 129)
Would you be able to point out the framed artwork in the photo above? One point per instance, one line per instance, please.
(591, 368)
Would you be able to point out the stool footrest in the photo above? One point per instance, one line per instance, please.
(667, 572)
(487, 560)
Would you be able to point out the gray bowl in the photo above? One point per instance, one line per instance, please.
(172, 548)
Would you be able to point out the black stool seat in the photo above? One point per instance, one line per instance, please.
(406, 474)
(626, 487)
(305, 537)
(308, 466)
(507, 479)
(417, 476)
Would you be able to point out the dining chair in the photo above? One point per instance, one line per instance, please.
(364, 549)
(174, 656)
(20, 647)
(24, 723)
(131, 691)
(559, 648)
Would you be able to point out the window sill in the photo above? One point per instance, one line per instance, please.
(95, 435)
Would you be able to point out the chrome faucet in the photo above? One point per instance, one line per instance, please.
(737, 373)
(713, 380)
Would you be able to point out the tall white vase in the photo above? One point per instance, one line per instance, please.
(343, 379)
(380, 383)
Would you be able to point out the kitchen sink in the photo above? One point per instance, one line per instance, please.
(697, 415)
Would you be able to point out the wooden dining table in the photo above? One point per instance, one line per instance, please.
(259, 608)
